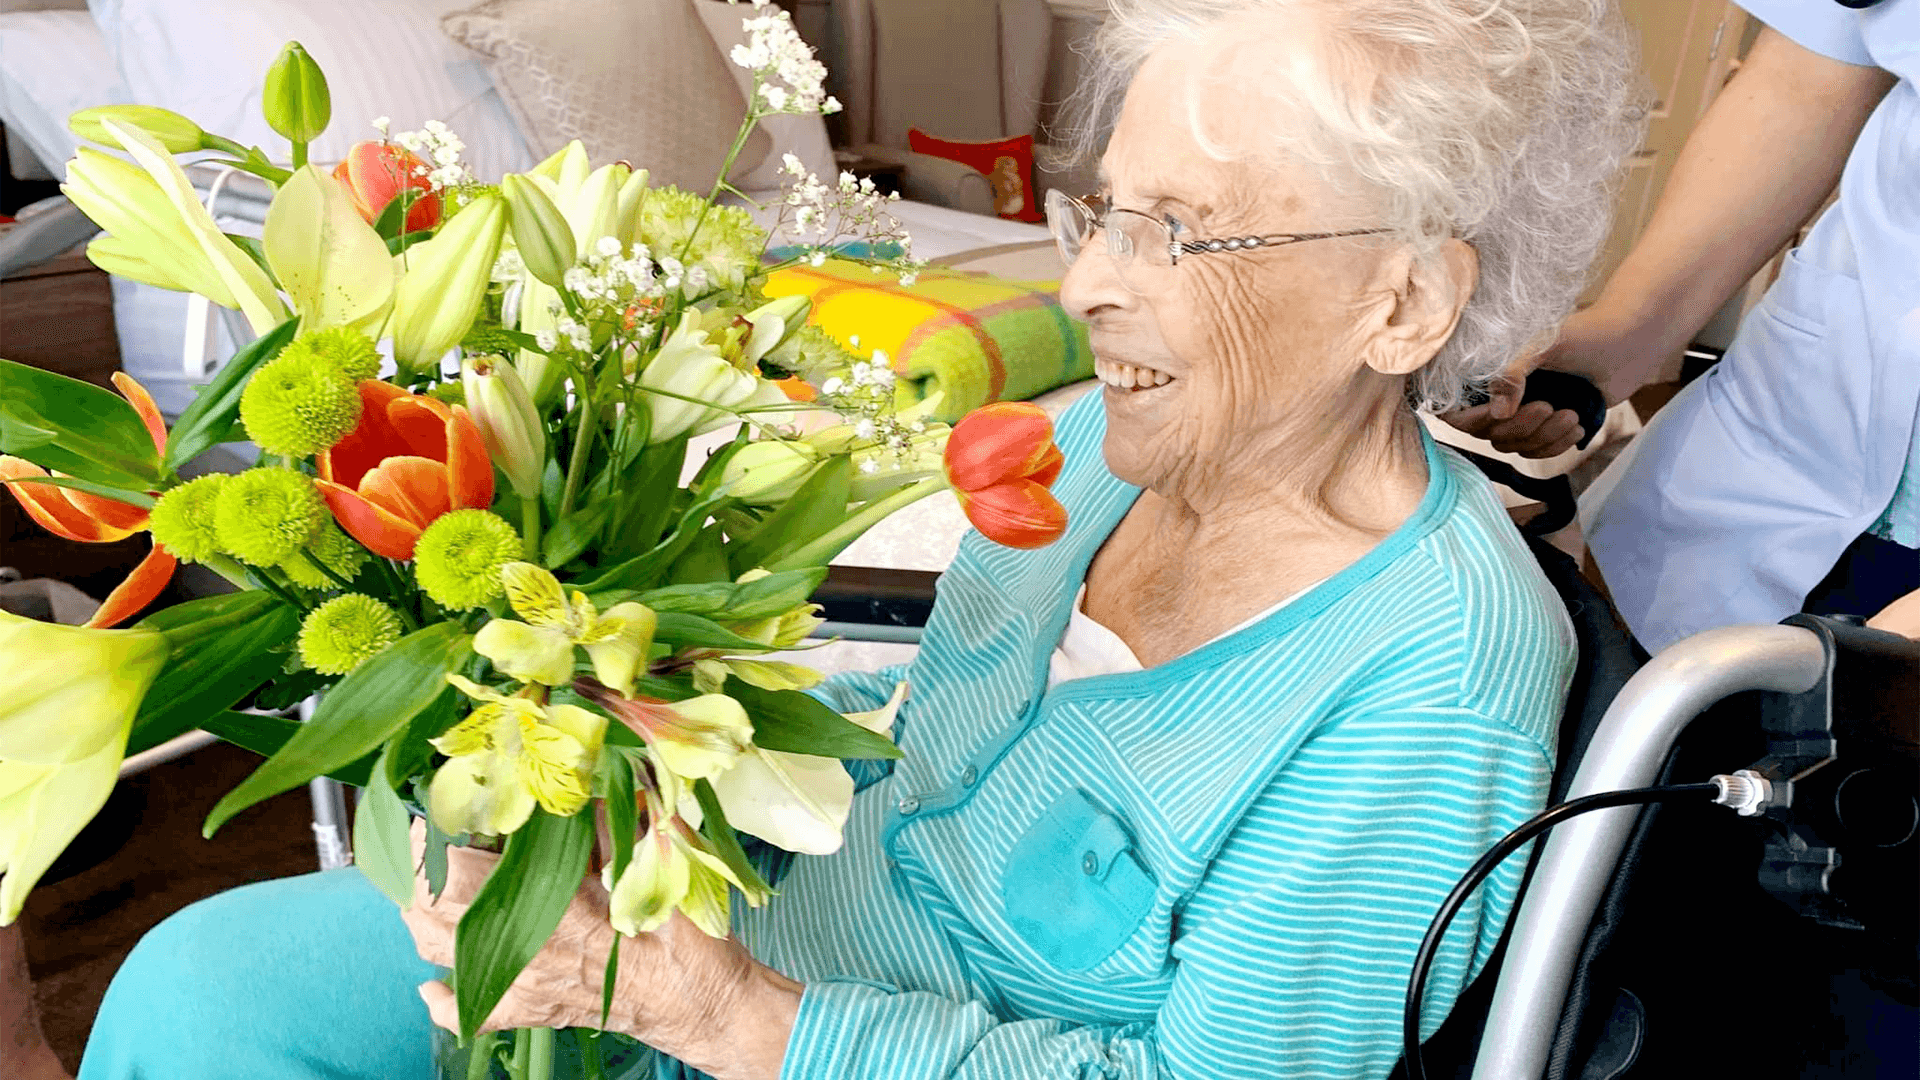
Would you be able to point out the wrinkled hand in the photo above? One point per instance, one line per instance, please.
(677, 990)
(1612, 352)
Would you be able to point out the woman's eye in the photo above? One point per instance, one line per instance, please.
(1174, 224)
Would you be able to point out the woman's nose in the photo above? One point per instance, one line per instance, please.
(1092, 283)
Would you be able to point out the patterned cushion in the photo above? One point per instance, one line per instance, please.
(635, 80)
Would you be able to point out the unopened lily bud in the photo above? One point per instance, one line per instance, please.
(295, 96)
(767, 473)
(594, 212)
(633, 193)
(775, 321)
(171, 130)
(508, 422)
(445, 282)
(540, 231)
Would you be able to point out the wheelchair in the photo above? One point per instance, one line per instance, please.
(1657, 941)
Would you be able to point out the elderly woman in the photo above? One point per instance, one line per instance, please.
(1182, 791)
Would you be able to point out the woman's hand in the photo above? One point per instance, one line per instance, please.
(704, 1000)
(1900, 617)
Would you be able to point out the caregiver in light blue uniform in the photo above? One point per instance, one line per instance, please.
(1797, 451)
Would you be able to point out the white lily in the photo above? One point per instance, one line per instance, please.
(689, 365)
(334, 266)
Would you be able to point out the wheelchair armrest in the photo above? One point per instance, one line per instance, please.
(36, 239)
(877, 595)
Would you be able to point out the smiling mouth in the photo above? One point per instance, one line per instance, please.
(1129, 377)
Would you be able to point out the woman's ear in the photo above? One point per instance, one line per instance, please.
(1420, 301)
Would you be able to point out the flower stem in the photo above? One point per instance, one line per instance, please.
(720, 181)
(530, 528)
(540, 1054)
(522, 1053)
(577, 466)
(227, 567)
(825, 547)
(314, 560)
(480, 1064)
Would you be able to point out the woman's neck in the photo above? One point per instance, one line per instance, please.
(1295, 507)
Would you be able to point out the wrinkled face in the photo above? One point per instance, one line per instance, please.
(1215, 361)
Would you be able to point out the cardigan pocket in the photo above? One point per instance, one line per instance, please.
(1074, 888)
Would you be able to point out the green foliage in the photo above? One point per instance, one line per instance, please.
(802, 724)
(818, 506)
(224, 648)
(265, 735)
(517, 910)
(71, 427)
(215, 410)
(379, 698)
(381, 847)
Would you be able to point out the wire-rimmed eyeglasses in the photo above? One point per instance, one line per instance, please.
(1139, 239)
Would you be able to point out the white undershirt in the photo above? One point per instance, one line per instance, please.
(1088, 648)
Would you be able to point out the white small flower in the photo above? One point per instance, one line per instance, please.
(869, 465)
(863, 429)
(546, 340)
(381, 124)
(834, 385)
(818, 258)
(607, 247)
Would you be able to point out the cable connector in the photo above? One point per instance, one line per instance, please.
(1746, 791)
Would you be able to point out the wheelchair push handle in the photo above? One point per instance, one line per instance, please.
(1562, 390)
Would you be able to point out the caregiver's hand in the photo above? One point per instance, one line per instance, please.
(704, 1000)
(1614, 350)
(1900, 617)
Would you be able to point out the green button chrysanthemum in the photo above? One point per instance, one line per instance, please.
(298, 404)
(458, 558)
(345, 632)
(335, 550)
(728, 244)
(489, 339)
(453, 393)
(182, 518)
(346, 348)
(264, 516)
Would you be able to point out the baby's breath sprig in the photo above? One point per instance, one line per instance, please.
(824, 217)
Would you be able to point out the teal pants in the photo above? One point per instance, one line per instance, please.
(303, 978)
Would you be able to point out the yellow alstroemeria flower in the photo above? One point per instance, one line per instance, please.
(672, 868)
(68, 696)
(695, 739)
(540, 650)
(510, 754)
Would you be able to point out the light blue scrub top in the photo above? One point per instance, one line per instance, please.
(1746, 489)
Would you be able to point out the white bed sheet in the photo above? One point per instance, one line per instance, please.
(53, 63)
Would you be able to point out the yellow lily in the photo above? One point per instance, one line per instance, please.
(334, 266)
(508, 755)
(67, 702)
(540, 650)
(443, 282)
(158, 232)
(672, 868)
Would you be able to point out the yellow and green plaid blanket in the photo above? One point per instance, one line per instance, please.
(975, 337)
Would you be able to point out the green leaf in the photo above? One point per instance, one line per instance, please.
(800, 723)
(517, 910)
(761, 598)
(131, 498)
(217, 406)
(704, 560)
(393, 218)
(646, 500)
(75, 428)
(815, 508)
(398, 244)
(699, 632)
(223, 648)
(705, 598)
(375, 700)
(641, 571)
(725, 842)
(412, 752)
(251, 245)
(571, 535)
(622, 810)
(265, 735)
(381, 847)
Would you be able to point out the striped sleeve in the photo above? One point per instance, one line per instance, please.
(1293, 954)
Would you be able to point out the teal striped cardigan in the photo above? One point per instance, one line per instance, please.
(1217, 867)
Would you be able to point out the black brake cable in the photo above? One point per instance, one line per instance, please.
(1514, 841)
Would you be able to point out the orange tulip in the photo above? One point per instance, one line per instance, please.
(92, 519)
(797, 388)
(410, 459)
(376, 172)
(1000, 460)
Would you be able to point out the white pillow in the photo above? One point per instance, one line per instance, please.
(207, 59)
(805, 137)
(52, 64)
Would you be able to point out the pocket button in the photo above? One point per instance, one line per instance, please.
(1090, 863)
(969, 776)
(909, 804)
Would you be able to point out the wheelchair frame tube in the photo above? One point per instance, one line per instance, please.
(1628, 750)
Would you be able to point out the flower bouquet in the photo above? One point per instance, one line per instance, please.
(528, 606)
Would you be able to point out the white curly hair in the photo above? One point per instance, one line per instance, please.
(1501, 122)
